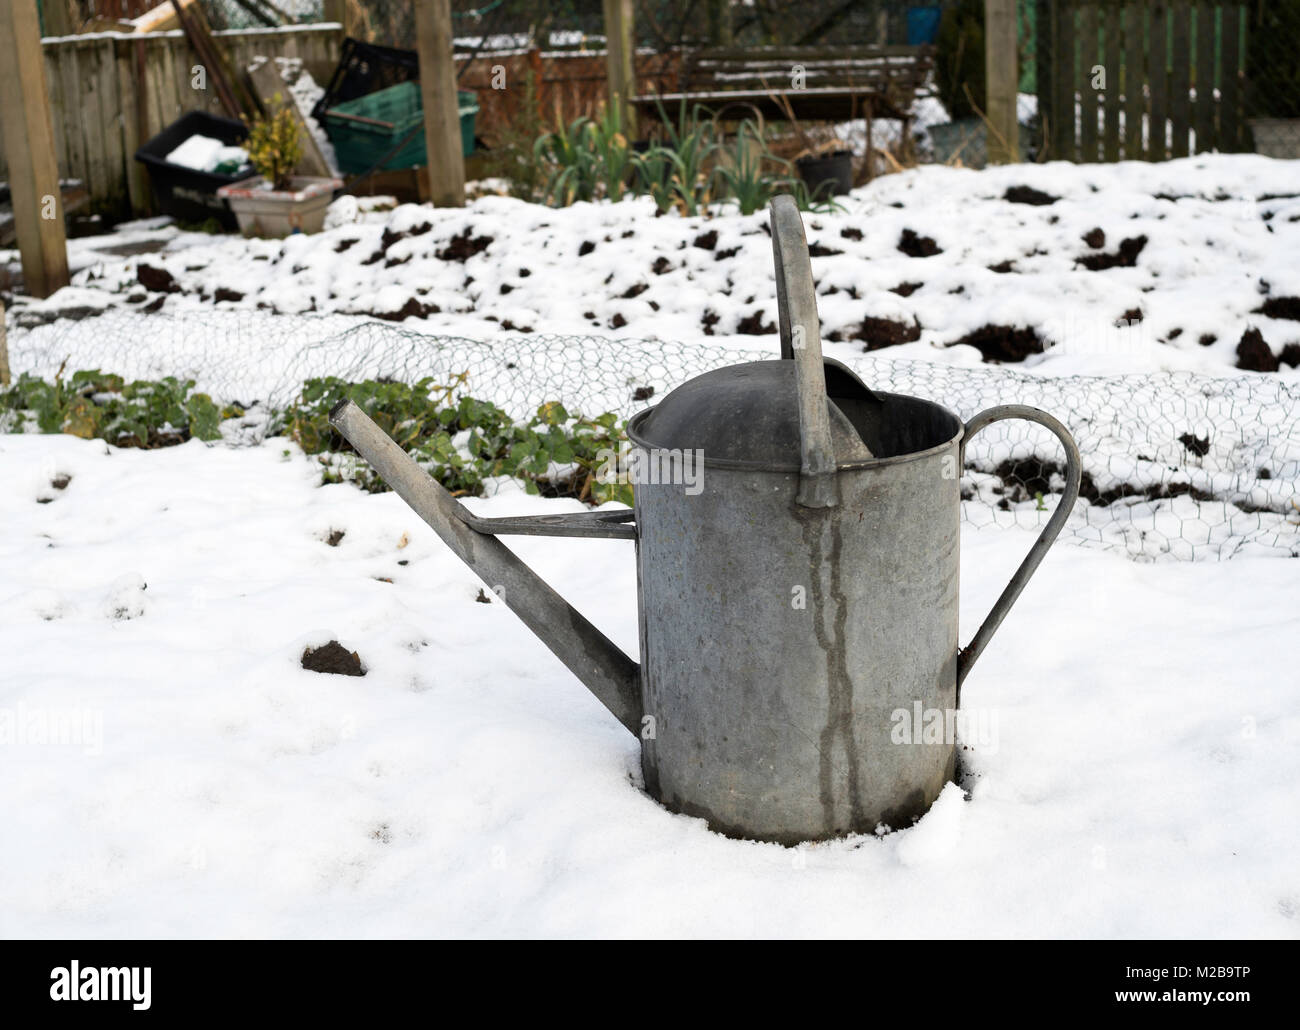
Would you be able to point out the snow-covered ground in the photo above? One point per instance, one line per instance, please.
(1135, 773)
(171, 770)
(1212, 241)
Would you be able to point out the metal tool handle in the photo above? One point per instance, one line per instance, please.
(796, 304)
(1073, 473)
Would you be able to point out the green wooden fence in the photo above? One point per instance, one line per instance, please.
(1141, 79)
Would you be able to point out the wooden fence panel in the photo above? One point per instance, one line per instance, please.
(106, 99)
(1089, 58)
(1174, 77)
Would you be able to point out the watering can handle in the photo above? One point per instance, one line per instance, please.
(796, 304)
(1073, 473)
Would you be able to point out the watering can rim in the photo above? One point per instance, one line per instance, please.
(639, 439)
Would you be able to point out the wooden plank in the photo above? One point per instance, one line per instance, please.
(114, 201)
(28, 140)
(1134, 80)
(1157, 82)
(1065, 77)
(275, 96)
(1114, 72)
(96, 177)
(1088, 59)
(54, 83)
(1180, 52)
(446, 163)
(74, 166)
(1001, 75)
(132, 97)
(1206, 136)
(1230, 70)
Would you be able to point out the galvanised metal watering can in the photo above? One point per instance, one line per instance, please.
(797, 559)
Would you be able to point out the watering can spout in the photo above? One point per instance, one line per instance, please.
(597, 661)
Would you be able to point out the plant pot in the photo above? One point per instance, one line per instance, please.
(274, 214)
(1276, 137)
(835, 169)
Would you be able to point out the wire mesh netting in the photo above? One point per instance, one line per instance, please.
(1176, 465)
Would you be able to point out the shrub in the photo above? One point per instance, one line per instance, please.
(274, 146)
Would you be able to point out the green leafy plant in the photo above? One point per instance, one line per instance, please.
(275, 146)
(461, 441)
(98, 405)
(959, 60)
(680, 171)
(587, 159)
(748, 170)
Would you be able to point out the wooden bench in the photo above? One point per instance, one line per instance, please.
(838, 83)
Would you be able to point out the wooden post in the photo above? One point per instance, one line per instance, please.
(441, 111)
(1002, 75)
(29, 148)
(4, 349)
(618, 61)
(58, 18)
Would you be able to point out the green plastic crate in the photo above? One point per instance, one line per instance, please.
(365, 129)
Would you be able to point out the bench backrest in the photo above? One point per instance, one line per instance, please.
(869, 67)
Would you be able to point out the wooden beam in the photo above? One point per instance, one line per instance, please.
(29, 148)
(618, 62)
(1002, 75)
(441, 110)
(269, 85)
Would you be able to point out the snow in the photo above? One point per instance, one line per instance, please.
(1144, 750)
(1221, 233)
(206, 154)
(1131, 751)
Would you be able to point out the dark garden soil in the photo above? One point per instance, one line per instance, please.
(333, 658)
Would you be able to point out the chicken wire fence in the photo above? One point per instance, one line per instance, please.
(1176, 465)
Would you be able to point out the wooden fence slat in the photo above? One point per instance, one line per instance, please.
(1230, 122)
(1089, 58)
(137, 179)
(92, 123)
(70, 94)
(1205, 78)
(1180, 66)
(1065, 73)
(54, 83)
(1134, 81)
(113, 199)
(1157, 82)
(1114, 83)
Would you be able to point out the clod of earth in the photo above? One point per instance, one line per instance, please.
(906, 289)
(753, 325)
(333, 658)
(1131, 316)
(917, 246)
(707, 240)
(1125, 257)
(1095, 238)
(851, 233)
(1003, 342)
(156, 280)
(1196, 445)
(222, 293)
(643, 393)
(1254, 353)
(463, 246)
(1281, 307)
(335, 536)
(661, 265)
(879, 333)
(1028, 195)
(61, 481)
(635, 291)
(1290, 355)
(815, 249)
(483, 597)
(411, 309)
(586, 248)
(1003, 267)
(1206, 339)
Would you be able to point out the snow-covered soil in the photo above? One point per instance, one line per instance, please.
(169, 769)
(1181, 261)
(1134, 773)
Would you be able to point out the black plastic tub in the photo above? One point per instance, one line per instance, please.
(828, 175)
(186, 194)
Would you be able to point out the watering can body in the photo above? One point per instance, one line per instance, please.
(797, 546)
